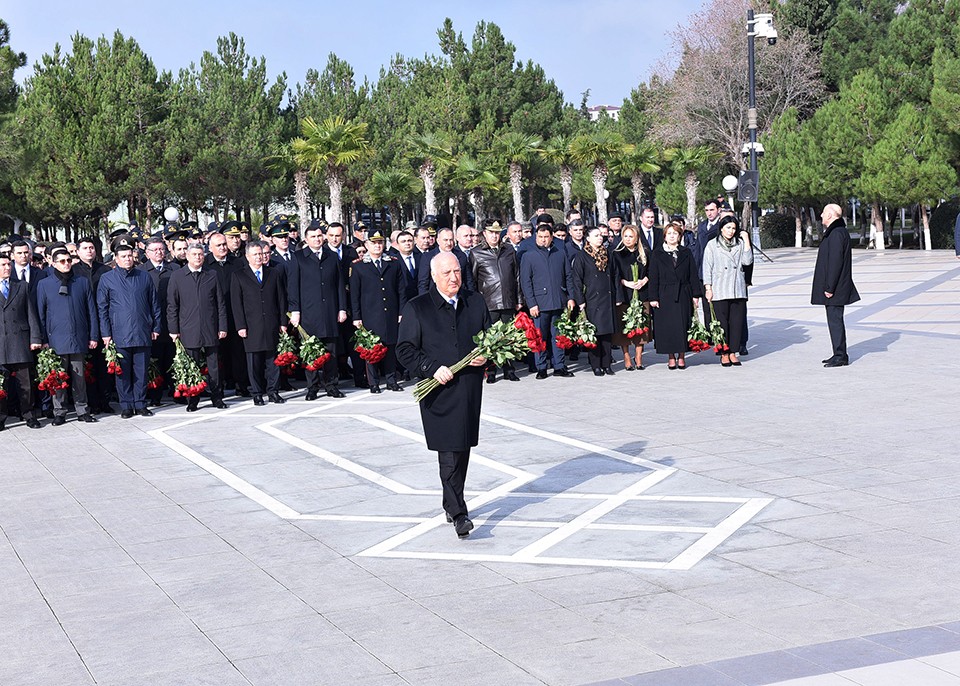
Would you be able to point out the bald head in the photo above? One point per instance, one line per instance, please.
(830, 214)
(445, 270)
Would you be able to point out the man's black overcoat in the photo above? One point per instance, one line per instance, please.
(260, 308)
(196, 308)
(833, 272)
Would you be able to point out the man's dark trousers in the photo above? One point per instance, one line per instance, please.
(453, 476)
(132, 381)
(838, 333)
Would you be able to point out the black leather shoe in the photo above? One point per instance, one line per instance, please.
(219, 404)
(598, 372)
(32, 423)
(277, 399)
(449, 518)
(744, 351)
(394, 387)
(106, 409)
(511, 376)
(463, 526)
(2, 427)
(144, 412)
(563, 372)
(243, 392)
(48, 414)
(126, 414)
(491, 378)
(335, 393)
(312, 394)
(830, 359)
(59, 421)
(608, 371)
(258, 400)
(839, 362)
(86, 418)
(155, 403)
(375, 389)
(191, 406)
(542, 374)
(361, 384)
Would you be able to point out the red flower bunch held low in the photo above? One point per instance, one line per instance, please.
(153, 373)
(287, 358)
(88, 372)
(535, 341)
(717, 336)
(636, 321)
(567, 331)
(188, 382)
(697, 335)
(3, 384)
(313, 354)
(50, 371)
(368, 346)
(586, 332)
(113, 359)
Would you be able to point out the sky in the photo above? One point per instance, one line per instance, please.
(607, 46)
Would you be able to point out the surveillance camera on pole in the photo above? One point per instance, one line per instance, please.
(759, 25)
(747, 147)
(763, 27)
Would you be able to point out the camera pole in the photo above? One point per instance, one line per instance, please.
(752, 119)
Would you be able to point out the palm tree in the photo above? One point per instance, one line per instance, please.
(518, 149)
(393, 187)
(476, 179)
(599, 149)
(636, 164)
(284, 163)
(557, 151)
(691, 162)
(430, 151)
(328, 147)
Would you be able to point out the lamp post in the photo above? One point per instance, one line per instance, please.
(759, 25)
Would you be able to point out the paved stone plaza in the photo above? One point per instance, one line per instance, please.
(732, 525)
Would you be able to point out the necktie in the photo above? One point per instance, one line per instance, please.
(453, 303)
(5, 288)
(159, 268)
(410, 263)
(25, 276)
(379, 266)
(286, 257)
(259, 278)
(339, 254)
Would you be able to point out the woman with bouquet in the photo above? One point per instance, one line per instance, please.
(630, 277)
(594, 292)
(674, 294)
(725, 285)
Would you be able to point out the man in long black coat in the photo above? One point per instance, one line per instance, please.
(377, 298)
(445, 243)
(259, 303)
(232, 353)
(436, 331)
(160, 271)
(317, 297)
(197, 315)
(833, 284)
(20, 334)
(98, 393)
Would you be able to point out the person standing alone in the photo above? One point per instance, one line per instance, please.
(833, 285)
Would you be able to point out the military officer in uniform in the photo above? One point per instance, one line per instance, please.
(231, 230)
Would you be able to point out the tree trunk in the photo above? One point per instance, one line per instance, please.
(691, 183)
(530, 188)
(428, 174)
(476, 199)
(879, 242)
(566, 186)
(798, 216)
(599, 186)
(516, 187)
(149, 211)
(925, 218)
(301, 194)
(335, 183)
(636, 186)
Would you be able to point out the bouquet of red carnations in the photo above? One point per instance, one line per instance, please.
(3, 384)
(567, 331)
(636, 321)
(586, 332)
(368, 345)
(501, 342)
(313, 353)
(50, 371)
(113, 359)
(717, 336)
(153, 373)
(287, 357)
(697, 335)
(188, 382)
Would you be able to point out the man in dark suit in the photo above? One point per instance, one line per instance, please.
(346, 255)
(20, 333)
(221, 262)
(377, 297)
(259, 303)
(450, 414)
(23, 268)
(445, 243)
(833, 285)
(98, 392)
(651, 237)
(160, 269)
(197, 315)
(406, 254)
(317, 297)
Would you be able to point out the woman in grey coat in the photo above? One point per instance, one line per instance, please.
(725, 285)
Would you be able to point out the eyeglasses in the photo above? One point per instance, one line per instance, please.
(64, 260)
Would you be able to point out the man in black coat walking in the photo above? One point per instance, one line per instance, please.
(451, 414)
(20, 334)
(833, 285)
(317, 297)
(197, 315)
(259, 303)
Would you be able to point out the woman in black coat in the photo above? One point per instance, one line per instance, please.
(594, 291)
(674, 293)
(628, 254)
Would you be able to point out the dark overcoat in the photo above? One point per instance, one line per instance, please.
(315, 289)
(425, 278)
(260, 308)
(128, 307)
(833, 271)
(623, 260)
(92, 272)
(409, 278)
(69, 321)
(19, 325)
(545, 278)
(196, 308)
(36, 276)
(377, 297)
(595, 288)
(224, 273)
(433, 334)
(675, 287)
(161, 282)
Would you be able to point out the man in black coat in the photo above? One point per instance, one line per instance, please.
(317, 297)
(197, 315)
(98, 392)
(833, 285)
(20, 334)
(24, 269)
(160, 271)
(496, 276)
(451, 414)
(232, 352)
(445, 243)
(651, 237)
(346, 255)
(377, 297)
(259, 303)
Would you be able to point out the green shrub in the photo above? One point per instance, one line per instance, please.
(778, 230)
(941, 225)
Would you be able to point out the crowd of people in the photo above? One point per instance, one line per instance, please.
(228, 297)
